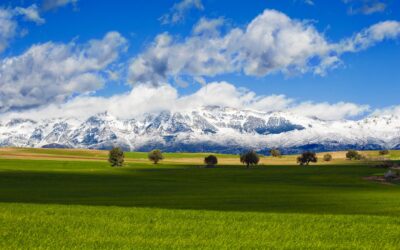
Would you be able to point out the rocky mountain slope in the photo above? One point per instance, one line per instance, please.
(214, 129)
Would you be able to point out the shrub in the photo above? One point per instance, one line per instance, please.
(390, 175)
(383, 152)
(387, 164)
(306, 158)
(249, 158)
(116, 157)
(361, 157)
(275, 153)
(353, 155)
(155, 156)
(327, 157)
(211, 160)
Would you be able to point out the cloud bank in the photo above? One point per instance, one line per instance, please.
(53, 72)
(147, 99)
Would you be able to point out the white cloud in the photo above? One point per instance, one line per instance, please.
(54, 4)
(52, 72)
(270, 43)
(208, 26)
(8, 28)
(366, 7)
(309, 2)
(373, 8)
(227, 95)
(388, 111)
(327, 111)
(146, 99)
(30, 13)
(370, 36)
(179, 10)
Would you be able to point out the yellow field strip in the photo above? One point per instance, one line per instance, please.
(101, 156)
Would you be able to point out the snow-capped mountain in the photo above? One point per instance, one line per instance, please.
(208, 129)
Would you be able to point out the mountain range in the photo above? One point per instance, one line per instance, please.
(206, 129)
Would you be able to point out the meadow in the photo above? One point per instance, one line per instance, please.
(73, 199)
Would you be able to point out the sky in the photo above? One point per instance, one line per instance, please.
(336, 59)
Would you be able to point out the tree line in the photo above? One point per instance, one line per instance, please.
(250, 158)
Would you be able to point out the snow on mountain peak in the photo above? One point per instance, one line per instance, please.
(210, 128)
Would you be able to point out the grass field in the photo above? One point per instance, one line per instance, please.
(65, 199)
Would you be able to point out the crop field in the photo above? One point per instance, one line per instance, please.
(73, 199)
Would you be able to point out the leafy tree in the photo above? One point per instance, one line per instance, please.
(327, 157)
(211, 160)
(249, 158)
(155, 156)
(275, 153)
(306, 158)
(116, 157)
(353, 155)
(383, 152)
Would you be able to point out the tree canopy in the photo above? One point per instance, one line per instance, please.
(275, 152)
(155, 156)
(249, 158)
(211, 160)
(307, 157)
(116, 157)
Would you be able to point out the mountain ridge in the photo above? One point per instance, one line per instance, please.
(206, 129)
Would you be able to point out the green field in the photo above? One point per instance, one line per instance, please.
(63, 199)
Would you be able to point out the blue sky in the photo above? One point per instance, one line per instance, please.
(367, 76)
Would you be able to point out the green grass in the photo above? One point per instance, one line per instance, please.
(72, 204)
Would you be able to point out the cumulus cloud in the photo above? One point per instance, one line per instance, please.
(327, 111)
(179, 10)
(366, 7)
(388, 111)
(54, 4)
(272, 42)
(208, 26)
(53, 72)
(30, 13)
(227, 95)
(9, 27)
(146, 99)
(370, 36)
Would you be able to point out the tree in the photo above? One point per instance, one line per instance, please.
(275, 153)
(353, 155)
(116, 157)
(327, 157)
(249, 158)
(155, 156)
(211, 160)
(306, 158)
(383, 152)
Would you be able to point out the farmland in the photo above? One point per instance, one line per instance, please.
(52, 198)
